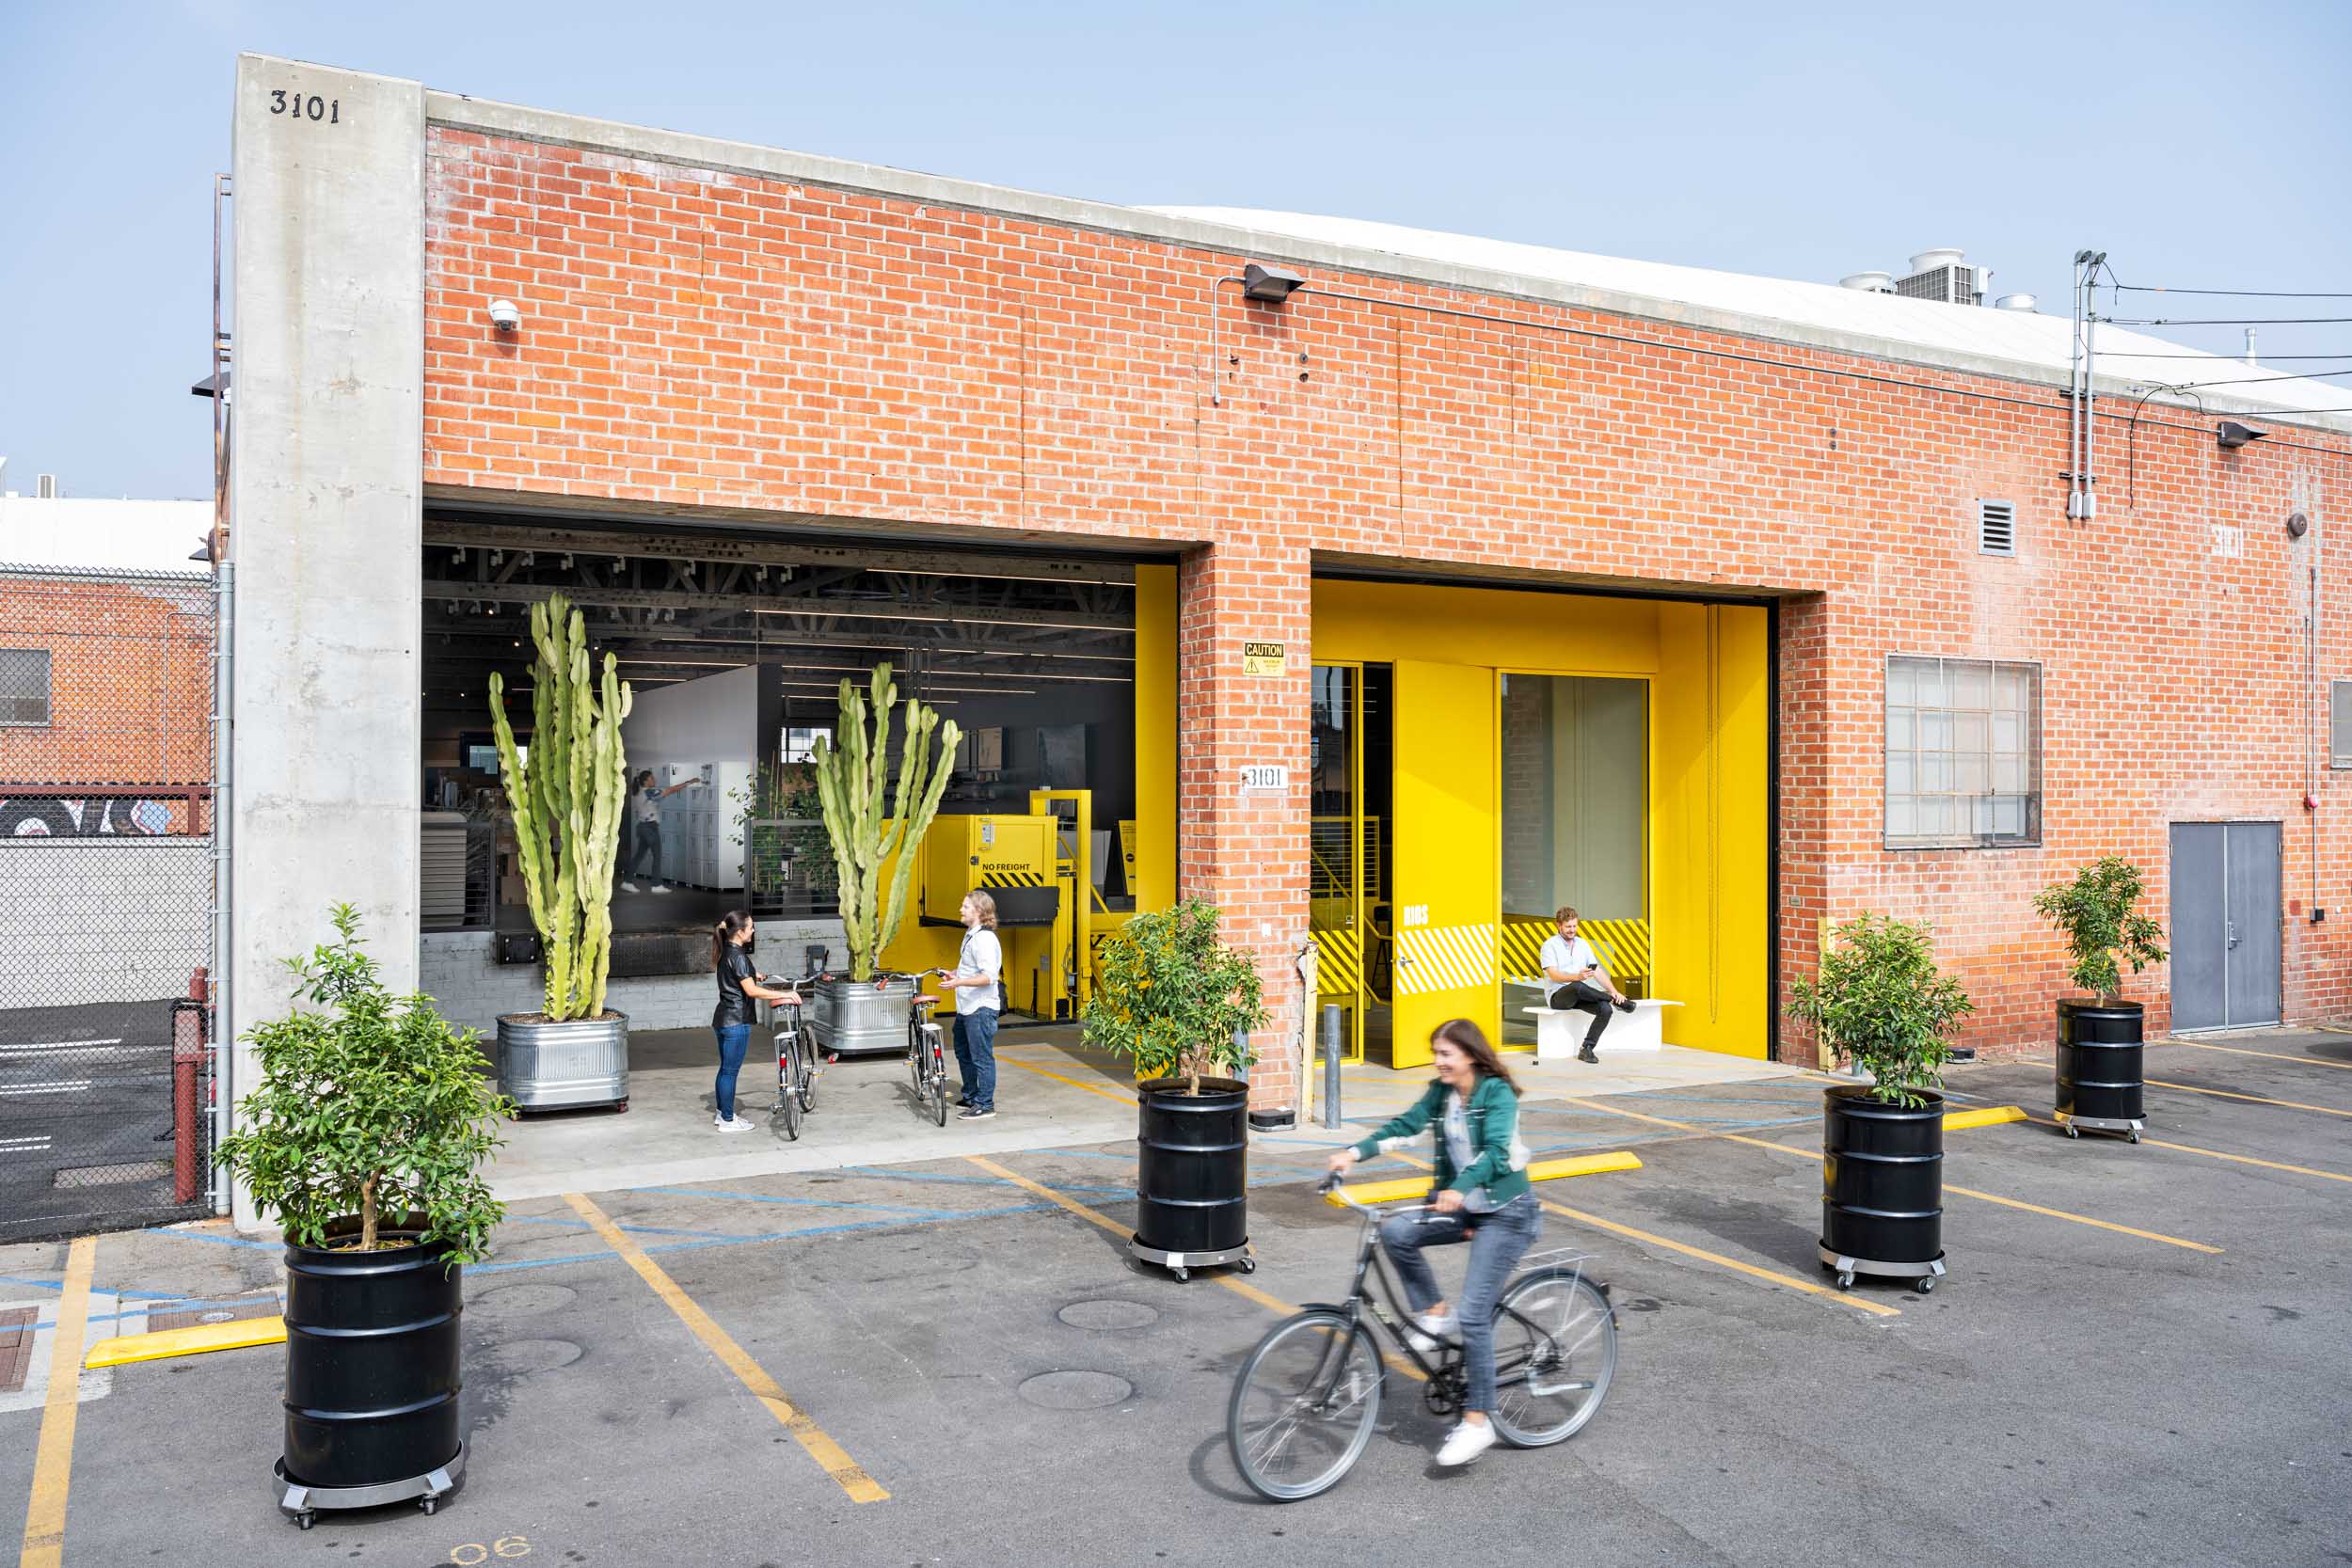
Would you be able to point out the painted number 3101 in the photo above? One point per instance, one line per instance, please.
(328, 110)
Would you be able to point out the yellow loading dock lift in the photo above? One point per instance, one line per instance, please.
(1038, 868)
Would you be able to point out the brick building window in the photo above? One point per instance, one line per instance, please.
(1964, 753)
(2340, 723)
(24, 686)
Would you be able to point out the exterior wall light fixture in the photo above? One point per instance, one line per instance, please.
(1269, 285)
(2232, 435)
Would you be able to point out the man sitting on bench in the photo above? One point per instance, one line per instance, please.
(1576, 982)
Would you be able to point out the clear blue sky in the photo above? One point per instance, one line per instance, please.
(2195, 143)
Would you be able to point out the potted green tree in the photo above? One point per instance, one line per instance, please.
(870, 825)
(2099, 1038)
(1880, 1004)
(1181, 1005)
(364, 1143)
(567, 793)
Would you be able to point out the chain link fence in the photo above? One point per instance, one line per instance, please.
(106, 874)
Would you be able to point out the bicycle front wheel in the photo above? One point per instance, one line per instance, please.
(807, 1068)
(1556, 1351)
(789, 1113)
(1304, 1406)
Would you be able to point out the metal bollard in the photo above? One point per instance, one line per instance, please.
(1332, 1029)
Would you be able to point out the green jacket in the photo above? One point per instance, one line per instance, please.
(1493, 1114)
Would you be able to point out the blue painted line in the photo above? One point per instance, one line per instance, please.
(631, 1225)
(126, 1294)
(246, 1243)
(797, 1202)
(968, 1181)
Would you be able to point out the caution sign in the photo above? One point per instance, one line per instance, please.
(1262, 658)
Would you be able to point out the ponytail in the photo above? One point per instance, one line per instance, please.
(723, 934)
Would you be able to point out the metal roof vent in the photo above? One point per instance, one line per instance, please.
(1868, 282)
(2015, 302)
(1997, 528)
(45, 486)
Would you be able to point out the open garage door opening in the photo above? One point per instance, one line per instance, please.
(733, 641)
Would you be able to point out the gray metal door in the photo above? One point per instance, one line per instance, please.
(2251, 852)
(2200, 926)
(2225, 936)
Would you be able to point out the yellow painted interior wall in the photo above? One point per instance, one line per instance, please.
(1710, 826)
(1155, 739)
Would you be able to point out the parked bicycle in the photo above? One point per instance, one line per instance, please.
(797, 1066)
(927, 1049)
(1307, 1398)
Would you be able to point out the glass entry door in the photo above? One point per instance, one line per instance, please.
(1575, 829)
(1347, 873)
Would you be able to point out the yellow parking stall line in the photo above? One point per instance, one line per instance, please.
(2267, 1055)
(1989, 1115)
(53, 1456)
(830, 1456)
(2256, 1099)
(1770, 1276)
(1074, 1083)
(239, 1334)
(2217, 1154)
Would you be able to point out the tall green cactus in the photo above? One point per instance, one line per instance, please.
(852, 785)
(566, 799)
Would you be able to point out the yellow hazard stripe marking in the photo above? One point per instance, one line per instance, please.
(2256, 1099)
(1444, 957)
(1991, 1116)
(829, 1454)
(1542, 1170)
(238, 1334)
(52, 1458)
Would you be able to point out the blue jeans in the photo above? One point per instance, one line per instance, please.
(734, 1039)
(1498, 1241)
(976, 1056)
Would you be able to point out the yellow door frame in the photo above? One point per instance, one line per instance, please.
(1359, 921)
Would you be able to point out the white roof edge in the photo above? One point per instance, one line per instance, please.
(1300, 238)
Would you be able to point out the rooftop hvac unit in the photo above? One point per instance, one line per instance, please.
(1946, 280)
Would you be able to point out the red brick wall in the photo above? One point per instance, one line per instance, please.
(130, 687)
(723, 341)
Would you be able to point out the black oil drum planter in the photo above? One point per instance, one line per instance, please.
(2099, 1085)
(1192, 1197)
(371, 1375)
(1883, 1187)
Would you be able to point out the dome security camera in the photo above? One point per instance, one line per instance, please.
(505, 315)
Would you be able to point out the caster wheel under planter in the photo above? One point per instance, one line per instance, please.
(429, 1504)
(305, 1520)
(2072, 1130)
(619, 1107)
(1248, 1265)
(1845, 1280)
(1182, 1274)
(1923, 1286)
(2133, 1135)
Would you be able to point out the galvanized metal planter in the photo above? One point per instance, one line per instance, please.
(546, 1066)
(855, 1017)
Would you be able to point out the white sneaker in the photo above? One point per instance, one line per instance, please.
(628, 887)
(661, 890)
(1465, 1443)
(740, 1124)
(1429, 1328)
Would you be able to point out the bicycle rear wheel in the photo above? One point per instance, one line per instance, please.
(806, 1068)
(1556, 1351)
(789, 1113)
(1304, 1406)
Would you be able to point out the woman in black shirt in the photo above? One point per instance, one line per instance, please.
(738, 988)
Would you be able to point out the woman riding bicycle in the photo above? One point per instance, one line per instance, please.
(1481, 1196)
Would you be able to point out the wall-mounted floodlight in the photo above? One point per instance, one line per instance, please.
(1269, 285)
(2232, 435)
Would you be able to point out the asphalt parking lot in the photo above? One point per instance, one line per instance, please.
(2137, 1356)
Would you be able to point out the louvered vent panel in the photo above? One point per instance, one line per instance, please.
(1997, 528)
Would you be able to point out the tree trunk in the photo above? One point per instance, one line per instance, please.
(367, 1214)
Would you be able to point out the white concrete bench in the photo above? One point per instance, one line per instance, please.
(1560, 1033)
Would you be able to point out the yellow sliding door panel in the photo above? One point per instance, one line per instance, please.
(1448, 890)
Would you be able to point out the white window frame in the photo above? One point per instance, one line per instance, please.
(1907, 766)
(48, 689)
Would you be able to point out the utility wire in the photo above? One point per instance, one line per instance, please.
(2253, 380)
(2267, 359)
(2235, 293)
(2229, 320)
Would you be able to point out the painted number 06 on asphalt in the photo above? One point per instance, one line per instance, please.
(331, 110)
(473, 1552)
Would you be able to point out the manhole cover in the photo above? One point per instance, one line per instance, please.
(519, 1356)
(1075, 1390)
(1109, 1315)
(521, 1299)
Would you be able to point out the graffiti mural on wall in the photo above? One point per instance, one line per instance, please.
(91, 816)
